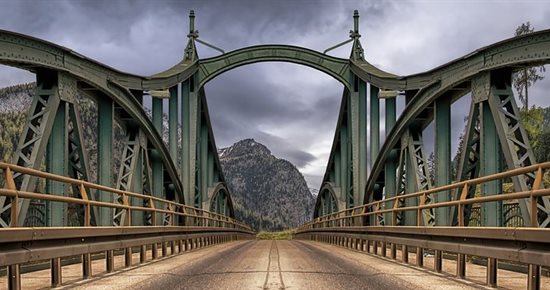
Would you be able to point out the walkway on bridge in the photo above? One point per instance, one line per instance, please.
(264, 264)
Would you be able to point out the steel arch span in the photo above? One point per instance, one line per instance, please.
(399, 165)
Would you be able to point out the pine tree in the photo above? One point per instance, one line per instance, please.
(526, 77)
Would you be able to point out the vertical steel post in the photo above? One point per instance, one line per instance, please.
(203, 201)
(173, 124)
(158, 178)
(390, 170)
(105, 156)
(14, 277)
(374, 123)
(55, 271)
(362, 140)
(185, 107)
(337, 169)
(443, 157)
(86, 265)
(490, 164)
(344, 158)
(138, 217)
(492, 272)
(533, 281)
(410, 216)
(56, 212)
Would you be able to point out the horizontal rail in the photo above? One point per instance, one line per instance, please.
(197, 216)
(352, 216)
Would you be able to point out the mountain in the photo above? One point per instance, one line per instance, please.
(269, 193)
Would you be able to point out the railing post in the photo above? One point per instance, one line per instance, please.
(14, 277)
(419, 257)
(154, 251)
(55, 270)
(438, 260)
(533, 281)
(492, 272)
(128, 257)
(142, 254)
(461, 266)
(10, 183)
(110, 261)
(405, 254)
(86, 266)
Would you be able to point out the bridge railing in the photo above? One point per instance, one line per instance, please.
(393, 205)
(182, 228)
(525, 247)
(172, 211)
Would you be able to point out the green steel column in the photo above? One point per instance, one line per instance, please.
(374, 123)
(344, 165)
(105, 156)
(190, 114)
(490, 164)
(390, 175)
(337, 169)
(138, 217)
(410, 216)
(157, 174)
(443, 157)
(211, 170)
(362, 140)
(185, 169)
(173, 124)
(204, 166)
(56, 212)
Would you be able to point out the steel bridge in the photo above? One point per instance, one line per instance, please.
(174, 196)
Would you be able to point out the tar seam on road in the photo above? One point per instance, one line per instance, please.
(274, 251)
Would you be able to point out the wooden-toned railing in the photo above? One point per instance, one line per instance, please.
(359, 228)
(192, 216)
(353, 216)
(183, 228)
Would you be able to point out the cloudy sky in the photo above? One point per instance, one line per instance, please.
(292, 109)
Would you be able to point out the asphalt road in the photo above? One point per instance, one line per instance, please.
(273, 265)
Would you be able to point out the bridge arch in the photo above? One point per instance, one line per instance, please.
(221, 201)
(337, 68)
(327, 201)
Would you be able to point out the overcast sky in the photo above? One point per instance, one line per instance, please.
(292, 109)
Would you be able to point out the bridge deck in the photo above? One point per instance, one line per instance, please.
(274, 265)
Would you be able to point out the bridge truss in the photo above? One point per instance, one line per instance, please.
(186, 169)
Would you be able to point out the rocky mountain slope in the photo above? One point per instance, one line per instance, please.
(269, 193)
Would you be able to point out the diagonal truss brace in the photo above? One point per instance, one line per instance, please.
(135, 151)
(413, 158)
(515, 143)
(33, 141)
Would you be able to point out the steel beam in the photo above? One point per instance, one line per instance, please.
(362, 152)
(490, 164)
(204, 152)
(514, 143)
(105, 156)
(390, 176)
(442, 157)
(374, 123)
(31, 148)
(56, 163)
(344, 164)
(173, 124)
(157, 166)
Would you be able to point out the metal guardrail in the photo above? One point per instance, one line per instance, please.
(516, 243)
(198, 217)
(188, 228)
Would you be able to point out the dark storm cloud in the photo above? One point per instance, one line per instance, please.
(291, 109)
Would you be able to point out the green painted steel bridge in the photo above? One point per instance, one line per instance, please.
(175, 195)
